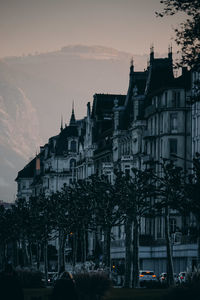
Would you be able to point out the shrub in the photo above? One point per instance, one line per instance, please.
(92, 285)
(30, 278)
(190, 289)
(193, 278)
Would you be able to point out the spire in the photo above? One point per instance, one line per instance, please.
(131, 67)
(72, 120)
(151, 53)
(61, 123)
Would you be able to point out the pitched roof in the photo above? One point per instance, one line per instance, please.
(62, 141)
(28, 171)
(160, 75)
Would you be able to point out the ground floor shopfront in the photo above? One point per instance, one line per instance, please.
(154, 258)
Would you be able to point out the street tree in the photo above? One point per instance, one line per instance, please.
(41, 215)
(191, 203)
(22, 222)
(170, 192)
(106, 210)
(136, 195)
(188, 33)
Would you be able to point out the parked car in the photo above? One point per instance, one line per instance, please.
(147, 278)
(182, 277)
(163, 278)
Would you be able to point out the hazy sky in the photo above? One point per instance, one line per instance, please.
(27, 26)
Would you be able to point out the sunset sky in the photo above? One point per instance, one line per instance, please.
(29, 26)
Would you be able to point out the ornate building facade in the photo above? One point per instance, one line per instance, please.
(151, 122)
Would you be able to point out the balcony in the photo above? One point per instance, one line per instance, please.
(107, 165)
(60, 171)
(126, 158)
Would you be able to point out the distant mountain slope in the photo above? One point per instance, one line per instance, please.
(36, 89)
(19, 132)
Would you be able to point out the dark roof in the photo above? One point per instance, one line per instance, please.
(183, 81)
(103, 103)
(140, 79)
(28, 171)
(160, 75)
(137, 80)
(62, 141)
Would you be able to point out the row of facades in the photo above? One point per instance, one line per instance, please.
(159, 117)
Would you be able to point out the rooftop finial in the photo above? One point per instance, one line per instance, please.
(131, 67)
(151, 52)
(152, 48)
(131, 61)
(61, 123)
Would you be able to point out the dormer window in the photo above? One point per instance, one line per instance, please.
(73, 146)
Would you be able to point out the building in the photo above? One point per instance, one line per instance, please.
(151, 122)
(195, 100)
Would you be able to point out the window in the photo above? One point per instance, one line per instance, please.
(73, 146)
(165, 100)
(161, 124)
(119, 232)
(175, 99)
(159, 227)
(172, 146)
(127, 170)
(151, 148)
(173, 123)
(23, 184)
(172, 225)
(155, 125)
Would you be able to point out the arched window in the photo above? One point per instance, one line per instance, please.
(73, 146)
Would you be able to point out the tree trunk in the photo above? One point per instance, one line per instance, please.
(30, 254)
(24, 253)
(84, 251)
(170, 271)
(46, 261)
(135, 275)
(61, 251)
(107, 242)
(38, 255)
(15, 253)
(74, 249)
(128, 230)
(198, 244)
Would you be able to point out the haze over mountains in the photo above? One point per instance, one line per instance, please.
(35, 90)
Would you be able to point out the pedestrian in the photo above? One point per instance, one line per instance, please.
(10, 287)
